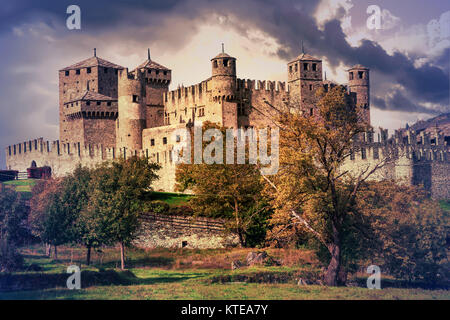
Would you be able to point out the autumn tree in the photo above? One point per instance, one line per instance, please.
(225, 190)
(52, 217)
(311, 190)
(411, 231)
(115, 203)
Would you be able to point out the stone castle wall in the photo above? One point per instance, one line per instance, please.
(183, 232)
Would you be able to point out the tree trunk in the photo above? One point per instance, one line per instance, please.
(238, 225)
(331, 274)
(56, 252)
(331, 277)
(88, 255)
(48, 250)
(122, 256)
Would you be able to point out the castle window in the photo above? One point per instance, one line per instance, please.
(105, 70)
(135, 98)
(88, 103)
(164, 140)
(310, 87)
(88, 70)
(296, 67)
(178, 138)
(67, 73)
(215, 63)
(352, 155)
(108, 103)
(363, 153)
(152, 142)
(165, 73)
(290, 68)
(314, 66)
(311, 111)
(99, 103)
(360, 74)
(77, 71)
(225, 62)
(376, 154)
(201, 112)
(116, 71)
(351, 75)
(157, 72)
(305, 66)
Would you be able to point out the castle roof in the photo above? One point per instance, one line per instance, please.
(223, 55)
(91, 96)
(149, 64)
(306, 57)
(358, 66)
(93, 62)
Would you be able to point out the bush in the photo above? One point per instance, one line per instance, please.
(10, 259)
(157, 206)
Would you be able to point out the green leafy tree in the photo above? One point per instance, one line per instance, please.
(116, 203)
(13, 216)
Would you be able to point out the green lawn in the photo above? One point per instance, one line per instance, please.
(171, 198)
(188, 274)
(22, 185)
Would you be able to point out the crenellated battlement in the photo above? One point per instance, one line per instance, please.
(417, 147)
(262, 85)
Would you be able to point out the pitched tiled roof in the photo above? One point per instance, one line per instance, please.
(91, 95)
(93, 62)
(149, 64)
(305, 56)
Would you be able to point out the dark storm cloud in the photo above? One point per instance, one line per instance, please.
(129, 22)
(398, 102)
(288, 21)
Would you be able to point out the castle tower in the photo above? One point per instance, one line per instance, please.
(132, 111)
(95, 73)
(223, 86)
(304, 78)
(223, 76)
(157, 81)
(359, 85)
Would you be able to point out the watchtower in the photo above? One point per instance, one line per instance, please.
(223, 77)
(132, 111)
(359, 85)
(304, 78)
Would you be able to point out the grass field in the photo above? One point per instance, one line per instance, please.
(173, 199)
(189, 274)
(22, 185)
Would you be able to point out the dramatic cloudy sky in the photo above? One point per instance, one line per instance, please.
(409, 57)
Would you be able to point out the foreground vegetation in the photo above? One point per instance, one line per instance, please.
(195, 274)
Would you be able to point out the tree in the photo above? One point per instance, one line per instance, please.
(411, 231)
(76, 194)
(52, 217)
(225, 190)
(311, 189)
(13, 215)
(115, 203)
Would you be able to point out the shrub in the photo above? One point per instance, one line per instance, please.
(10, 259)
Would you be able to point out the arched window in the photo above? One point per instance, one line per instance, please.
(33, 164)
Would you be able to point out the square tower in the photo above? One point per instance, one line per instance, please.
(304, 78)
(95, 75)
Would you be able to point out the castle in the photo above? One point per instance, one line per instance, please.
(107, 111)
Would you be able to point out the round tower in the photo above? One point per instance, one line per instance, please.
(223, 77)
(359, 85)
(132, 112)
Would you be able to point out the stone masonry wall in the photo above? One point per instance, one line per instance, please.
(188, 232)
